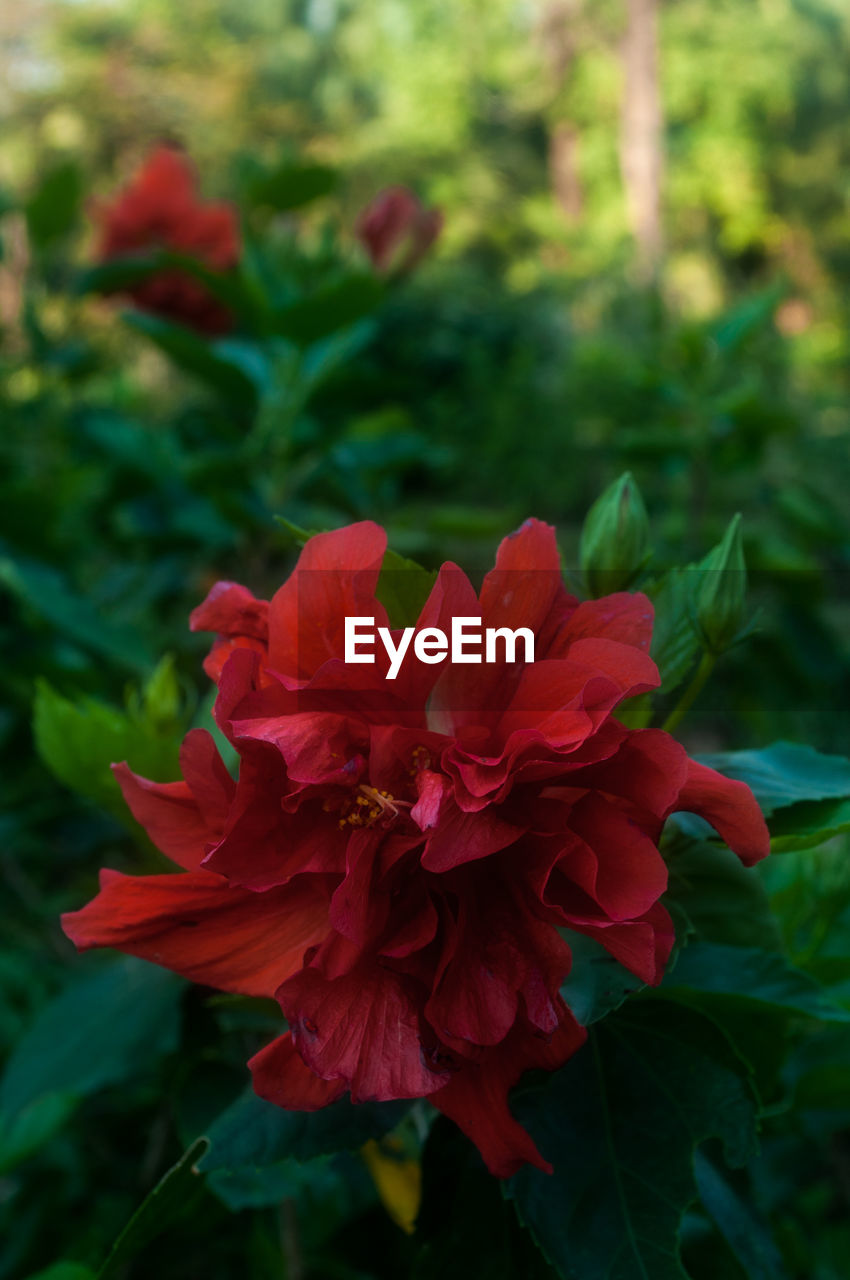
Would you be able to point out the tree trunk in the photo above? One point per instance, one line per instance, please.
(641, 145)
(557, 39)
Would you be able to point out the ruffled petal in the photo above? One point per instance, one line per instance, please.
(362, 1027)
(461, 837)
(206, 773)
(280, 1076)
(335, 578)
(476, 1096)
(642, 946)
(169, 813)
(520, 590)
(231, 610)
(730, 807)
(625, 616)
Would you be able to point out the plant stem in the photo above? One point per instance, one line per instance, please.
(691, 694)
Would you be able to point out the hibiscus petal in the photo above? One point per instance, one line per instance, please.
(476, 997)
(358, 909)
(207, 776)
(169, 813)
(464, 837)
(520, 590)
(216, 660)
(625, 616)
(231, 610)
(630, 873)
(641, 946)
(319, 748)
(476, 1096)
(649, 771)
(200, 927)
(362, 1027)
(632, 670)
(281, 1076)
(335, 578)
(730, 807)
(265, 846)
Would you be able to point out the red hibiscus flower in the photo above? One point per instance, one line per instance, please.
(397, 231)
(401, 862)
(160, 209)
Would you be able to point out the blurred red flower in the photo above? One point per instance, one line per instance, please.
(400, 862)
(397, 230)
(160, 209)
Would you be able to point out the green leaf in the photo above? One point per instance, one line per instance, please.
(252, 1133)
(738, 1222)
(291, 186)
(750, 975)
(80, 740)
(597, 983)
(171, 1198)
(208, 361)
(818, 1072)
(676, 643)
(52, 209)
(330, 1188)
(22, 1133)
(300, 537)
(403, 587)
(330, 309)
(103, 1029)
(748, 318)
(620, 1123)
(785, 773)
(47, 593)
(722, 900)
(809, 823)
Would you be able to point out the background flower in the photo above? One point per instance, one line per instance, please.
(160, 209)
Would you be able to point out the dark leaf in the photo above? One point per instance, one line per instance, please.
(335, 307)
(218, 369)
(171, 1198)
(104, 1028)
(252, 1133)
(744, 1230)
(290, 186)
(620, 1123)
(52, 209)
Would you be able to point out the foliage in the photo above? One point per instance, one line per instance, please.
(704, 1130)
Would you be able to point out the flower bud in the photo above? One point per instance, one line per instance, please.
(615, 538)
(397, 230)
(721, 591)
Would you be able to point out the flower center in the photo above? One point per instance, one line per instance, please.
(368, 805)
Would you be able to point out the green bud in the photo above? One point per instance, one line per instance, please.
(721, 591)
(615, 538)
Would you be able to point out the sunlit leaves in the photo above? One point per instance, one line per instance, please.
(79, 740)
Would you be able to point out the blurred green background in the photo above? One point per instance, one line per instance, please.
(644, 266)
